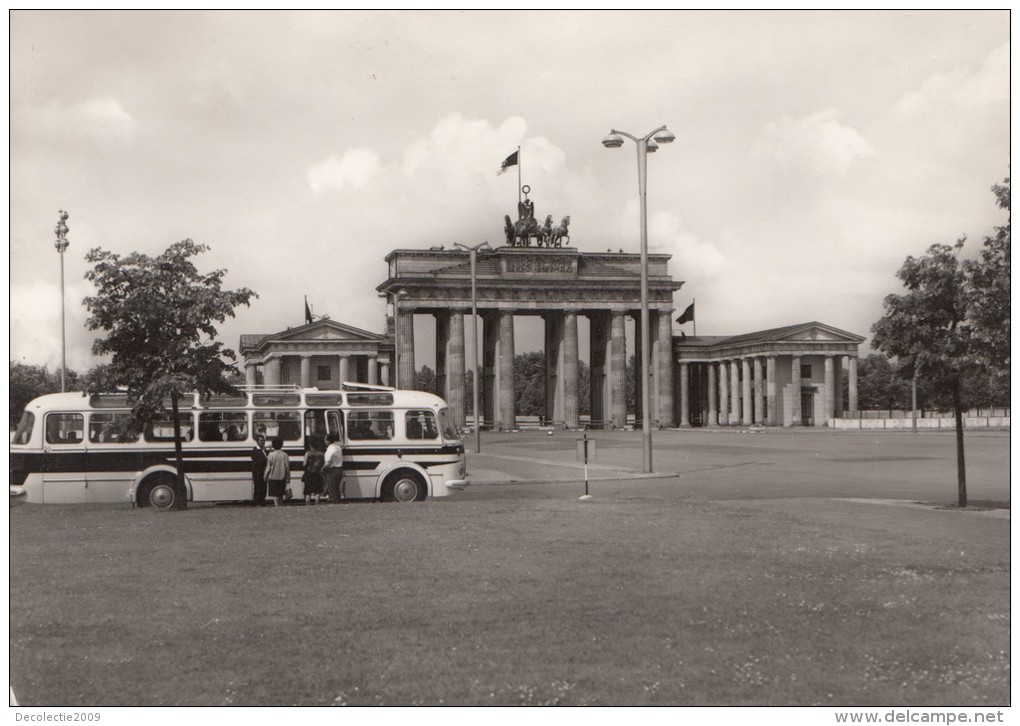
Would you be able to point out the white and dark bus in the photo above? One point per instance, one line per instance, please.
(70, 448)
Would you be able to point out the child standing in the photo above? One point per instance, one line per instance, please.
(278, 471)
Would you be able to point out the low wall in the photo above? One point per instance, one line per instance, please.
(947, 422)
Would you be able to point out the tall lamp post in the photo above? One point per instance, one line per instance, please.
(61, 244)
(473, 251)
(645, 145)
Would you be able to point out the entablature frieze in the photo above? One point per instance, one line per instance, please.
(785, 350)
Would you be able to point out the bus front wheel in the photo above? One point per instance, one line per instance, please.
(159, 493)
(405, 486)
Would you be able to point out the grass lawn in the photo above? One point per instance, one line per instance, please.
(494, 598)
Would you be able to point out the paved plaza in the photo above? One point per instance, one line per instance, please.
(751, 464)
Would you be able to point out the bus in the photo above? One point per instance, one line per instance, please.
(72, 448)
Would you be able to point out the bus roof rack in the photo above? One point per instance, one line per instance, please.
(355, 386)
(269, 387)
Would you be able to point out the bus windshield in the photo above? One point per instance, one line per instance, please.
(446, 422)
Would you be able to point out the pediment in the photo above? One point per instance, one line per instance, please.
(325, 330)
(820, 332)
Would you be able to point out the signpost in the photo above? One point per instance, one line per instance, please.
(585, 450)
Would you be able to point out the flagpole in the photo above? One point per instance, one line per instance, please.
(518, 174)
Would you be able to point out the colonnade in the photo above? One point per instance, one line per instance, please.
(348, 367)
(607, 369)
(766, 390)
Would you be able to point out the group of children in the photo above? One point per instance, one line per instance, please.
(322, 474)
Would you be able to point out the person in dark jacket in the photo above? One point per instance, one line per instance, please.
(259, 459)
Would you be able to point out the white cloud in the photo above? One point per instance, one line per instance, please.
(356, 168)
(819, 145)
(99, 119)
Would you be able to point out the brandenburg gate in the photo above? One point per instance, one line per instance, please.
(557, 284)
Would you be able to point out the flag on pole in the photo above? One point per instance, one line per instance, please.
(308, 312)
(508, 161)
(687, 316)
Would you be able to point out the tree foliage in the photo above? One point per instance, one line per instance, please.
(158, 314)
(989, 288)
(953, 321)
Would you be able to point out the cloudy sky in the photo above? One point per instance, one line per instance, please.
(814, 151)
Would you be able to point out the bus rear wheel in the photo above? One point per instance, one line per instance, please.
(405, 486)
(159, 493)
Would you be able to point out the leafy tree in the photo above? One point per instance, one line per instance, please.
(158, 315)
(924, 330)
(529, 383)
(989, 288)
(31, 381)
(879, 385)
(425, 380)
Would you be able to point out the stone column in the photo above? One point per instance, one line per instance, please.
(250, 374)
(735, 392)
(598, 336)
(455, 368)
(838, 385)
(271, 371)
(553, 366)
(306, 370)
(571, 404)
(830, 393)
(666, 388)
(770, 390)
(373, 373)
(640, 375)
(344, 372)
(852, 385)
(759, 393)
(442, 346)
(747, 417)
(618, 372)
(795, 391)
(490, 330)
(713, 397)
(405, 346)
(507, 415)
(384, 373)
(685, 396)
(724, 393)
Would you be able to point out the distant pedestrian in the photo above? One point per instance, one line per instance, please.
(312, 476)
(277, 471)
(334, 468)
(258, 469)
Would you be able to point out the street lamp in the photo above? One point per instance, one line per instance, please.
(473, 251)
(645, 145)
(61, 244)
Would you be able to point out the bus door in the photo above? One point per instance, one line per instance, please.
(64, 470)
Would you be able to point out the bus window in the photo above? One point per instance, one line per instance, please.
(111, 428)
(421, 424)
(335, 423)
(24, 433)
(223, 426)
(64, 428)
(283, 424)
(162, 428)
(367, 425)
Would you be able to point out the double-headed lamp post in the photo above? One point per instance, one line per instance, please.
(61, 244)
(645, 145)
(473, 251)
